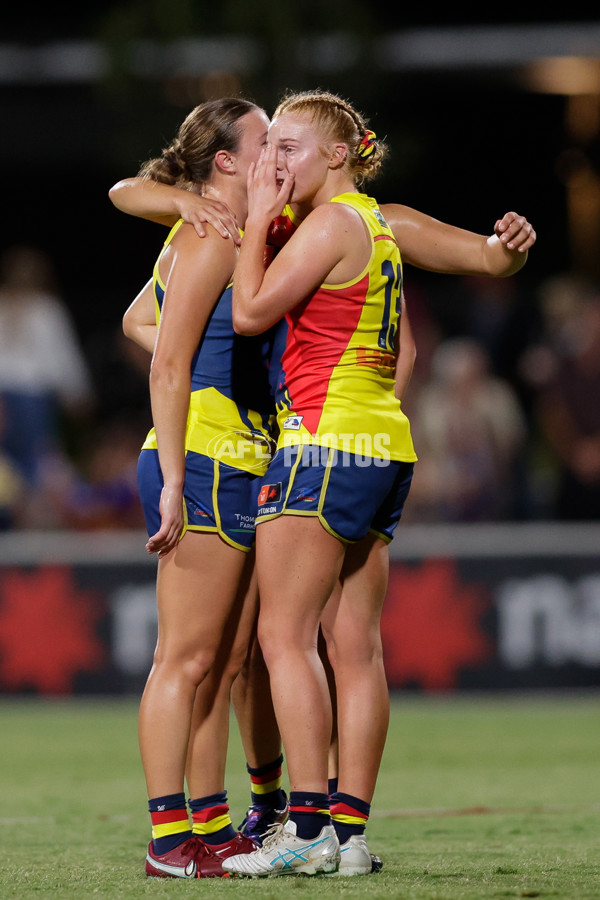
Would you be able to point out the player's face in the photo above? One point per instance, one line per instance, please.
(301, 151)
(255, 126)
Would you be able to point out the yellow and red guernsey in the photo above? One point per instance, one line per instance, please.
(336, 383)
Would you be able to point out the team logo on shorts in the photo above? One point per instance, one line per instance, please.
(302, 495)
(269, 493)
(293, 423)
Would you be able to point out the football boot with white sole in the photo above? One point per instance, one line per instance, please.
(284, 853)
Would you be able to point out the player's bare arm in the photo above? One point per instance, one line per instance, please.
(166, 204)
(428, 243)
(139, 319)
(317, 252)
(407, 352)
(185, 311)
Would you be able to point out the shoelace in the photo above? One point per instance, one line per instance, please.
(196, 848)
(246, 842)
(272, 835)
(259, 816)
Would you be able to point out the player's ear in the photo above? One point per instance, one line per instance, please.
(337, 156)
(224, 161)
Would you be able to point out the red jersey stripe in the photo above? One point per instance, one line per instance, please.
(320, 329)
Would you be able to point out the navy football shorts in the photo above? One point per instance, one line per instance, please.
(217, 498)
(350, 495)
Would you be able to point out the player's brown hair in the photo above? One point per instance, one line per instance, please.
(208, 128)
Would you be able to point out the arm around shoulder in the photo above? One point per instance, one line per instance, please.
(146, 199)
(428, 243)
(166, 203)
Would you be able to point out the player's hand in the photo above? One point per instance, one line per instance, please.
(515, 232)
(202, 211)
(269, 187)
(171, 525)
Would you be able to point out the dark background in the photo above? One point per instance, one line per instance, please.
(468, 142)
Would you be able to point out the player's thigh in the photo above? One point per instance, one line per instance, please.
(298, 564)
(352, 616)
(197, 587)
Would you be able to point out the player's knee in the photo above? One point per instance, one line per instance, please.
(192, 666)
(196, 667)
(354, 648)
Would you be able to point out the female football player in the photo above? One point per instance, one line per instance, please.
(334, 492)
(197, 474)
(351, 617)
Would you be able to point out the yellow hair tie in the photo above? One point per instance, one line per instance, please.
(367, 145)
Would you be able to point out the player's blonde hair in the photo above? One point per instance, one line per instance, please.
(338, 120)
(208, 128)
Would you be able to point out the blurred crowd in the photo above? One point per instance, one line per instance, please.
(65, 461)
(504, 403)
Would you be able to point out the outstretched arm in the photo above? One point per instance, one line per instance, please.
(166, 204)
(429, 244)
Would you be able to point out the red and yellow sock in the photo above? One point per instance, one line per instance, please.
(211, 819)
(265, 785)
(310, 812)
(349, 815)
(170, 822)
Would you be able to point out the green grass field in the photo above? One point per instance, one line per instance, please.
(478, 797)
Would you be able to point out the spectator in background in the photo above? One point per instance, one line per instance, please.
(470, 431)
(100, 493)
(565, 368)
(502, 317)
(43, 372)
(12, 485)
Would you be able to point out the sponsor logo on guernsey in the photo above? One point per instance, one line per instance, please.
(293, 423)
(269, 493)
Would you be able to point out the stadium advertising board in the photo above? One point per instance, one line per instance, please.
(79, 616)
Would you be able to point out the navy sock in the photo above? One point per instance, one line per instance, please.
(211, 818)
(332, 785)
(170, 822)
(265, 783)
(310, 812)
(349, 815)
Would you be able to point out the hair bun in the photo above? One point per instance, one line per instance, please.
(367, 145)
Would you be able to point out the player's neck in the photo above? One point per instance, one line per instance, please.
(233, 195)
(338, 183)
